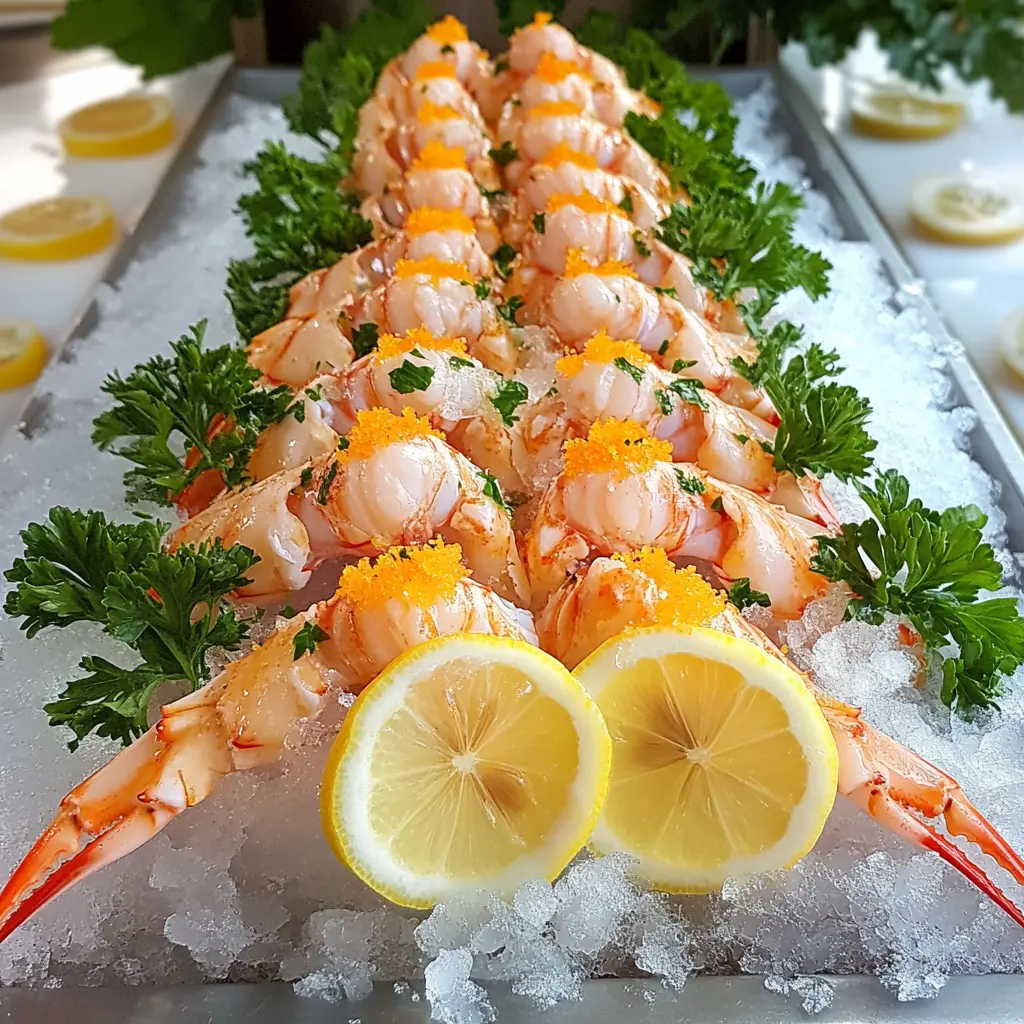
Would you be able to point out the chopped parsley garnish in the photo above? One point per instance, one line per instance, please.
(669, 292)
(623, 364)
(641, 246)
(324, 490)
(689, 390)
(683, 364)
(308, 639)
(504, 154)
(663, 347)
(483, 289)
(343, 443)
(510, 395)
(306, 476)
(930, 567)
(743, 595)
(664, 401)
(458, 363)
(716, 505)
(493, 491)
(409, 377)
(539, 223)
(287, 612)
(626, 203)
(364, 339)
(168, 608)
(690, 484)
(502, 260)
(508, 309)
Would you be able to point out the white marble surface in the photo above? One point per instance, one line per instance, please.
(33, 166)
(975, 289)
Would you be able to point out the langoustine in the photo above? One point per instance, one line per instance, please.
(394, 481)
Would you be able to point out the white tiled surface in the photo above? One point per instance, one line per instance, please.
(33, 166)
(973, 288)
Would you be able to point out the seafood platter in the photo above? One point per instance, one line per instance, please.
(550, 568)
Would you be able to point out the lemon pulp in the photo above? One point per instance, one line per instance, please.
(62, 228)
(23, 354)
(722, 762)
(124, 127)
(481, 767)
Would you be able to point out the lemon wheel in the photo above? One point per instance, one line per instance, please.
(62, 228)
(23, 354)
(723, 764)
(967, 210)
(124, 127)
(895, 114)
(470, 762)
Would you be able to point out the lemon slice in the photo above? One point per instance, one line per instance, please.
(897, 114)
(471, 762)
(723, 765)
(123, 127)
(62, 228)
(967, 210)
(1011, 341)
(23, 354)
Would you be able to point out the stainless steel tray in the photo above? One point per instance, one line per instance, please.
(728, 1000)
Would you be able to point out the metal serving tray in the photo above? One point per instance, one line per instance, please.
(993, 999)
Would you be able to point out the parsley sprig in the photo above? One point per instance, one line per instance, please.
(164, 408)
(930, 567)
(739, 240)
(168, 608)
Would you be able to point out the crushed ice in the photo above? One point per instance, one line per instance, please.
(243, 887)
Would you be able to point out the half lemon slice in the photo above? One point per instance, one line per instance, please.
(124, 127)
(967, 210)
(62, 228)
(897, 114)
(471, 762)
(23, 353)
(723, 765)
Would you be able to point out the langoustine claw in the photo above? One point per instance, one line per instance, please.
(892, 785)
(241, 718)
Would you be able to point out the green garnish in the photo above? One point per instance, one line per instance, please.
(364, 339)
(510, 395)
(308, 639)
(409, 377)
(502, 260)
(504, 154)
(690, 484)
(165, 408)
(169, 608)
(929, 567)
(493, 491)
(743, 595)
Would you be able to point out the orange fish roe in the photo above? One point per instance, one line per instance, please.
(448, 31)
(619, 447)
(417, 576)
(435, 269)
(375, 428)
(542, 18)
(434, 69)
(586, 203)
(552, 70)
(576, 263)
(424, 220)
(686, 598)
(602, 349)
(562, 154)
(391, 345)
(430, 113)
(556, 108)
(436, 156)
